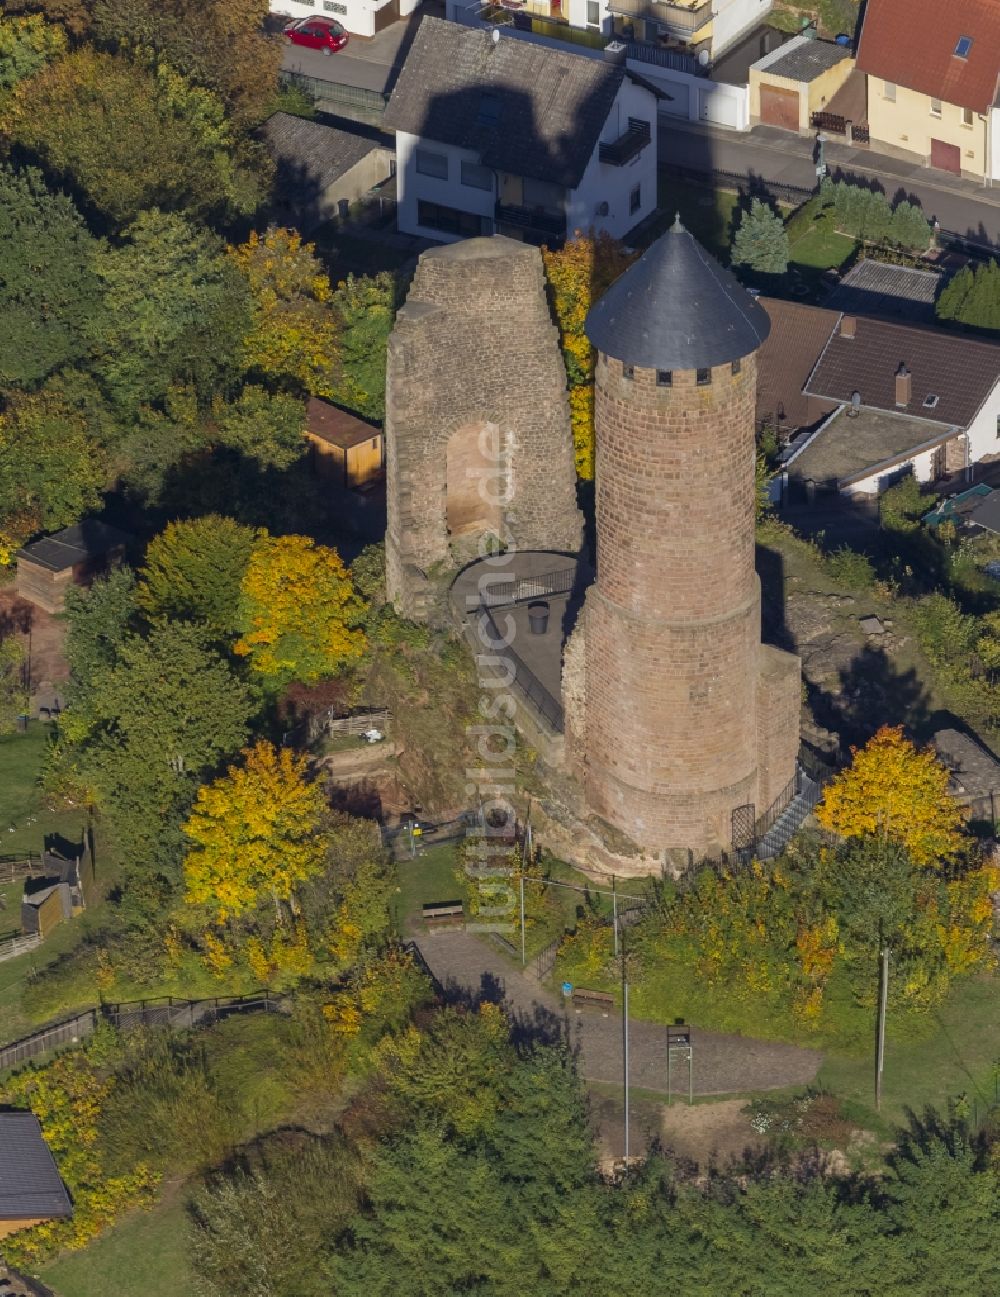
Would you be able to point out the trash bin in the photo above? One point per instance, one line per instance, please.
(22, 724)
(538, 617)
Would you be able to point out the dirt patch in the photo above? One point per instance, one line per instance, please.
(709, 1132)
(44, 638)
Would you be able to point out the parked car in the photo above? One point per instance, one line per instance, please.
(317, 33)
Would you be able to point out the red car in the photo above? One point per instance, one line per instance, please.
(317, 33)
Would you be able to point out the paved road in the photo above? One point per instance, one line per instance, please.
(470, 968)
(779, 156)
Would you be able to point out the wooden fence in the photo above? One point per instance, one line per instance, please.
(17, 866)
(11, 947)
(165, 1011)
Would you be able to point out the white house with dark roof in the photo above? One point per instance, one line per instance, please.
(499, 135)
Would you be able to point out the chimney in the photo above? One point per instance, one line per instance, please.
(848, 325)
(904, 385)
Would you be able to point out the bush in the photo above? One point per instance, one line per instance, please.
(849, 568)
(903, 505)
(972, 297)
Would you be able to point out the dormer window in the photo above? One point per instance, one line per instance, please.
(963, 47)
(703, 377)
(489, 109)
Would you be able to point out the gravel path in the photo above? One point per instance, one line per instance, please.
(472, 969)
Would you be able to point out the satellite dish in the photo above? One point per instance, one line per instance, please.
(703, 58)
(496, 35)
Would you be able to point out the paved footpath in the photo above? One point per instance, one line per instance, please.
(473, 969)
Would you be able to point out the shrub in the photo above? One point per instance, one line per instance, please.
(849, 568)
(903, 505)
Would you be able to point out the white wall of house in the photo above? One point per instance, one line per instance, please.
(731, 18)
(696, 99)
(921, 466)
(984, 430)
(412, 186)
(993, 127)
(602, 184)
(357, 16)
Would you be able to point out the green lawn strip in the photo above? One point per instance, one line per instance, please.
(959, 1056)
(145, 1255)
(427, 878)
(821, 248)
(21, 796)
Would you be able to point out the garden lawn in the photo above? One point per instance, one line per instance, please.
(821, 248)
(959, 1056)
(708, 213)
(21, 797)
(145, 1255)
(422, 881)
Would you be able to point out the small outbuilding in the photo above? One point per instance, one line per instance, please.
(31, 1189)
(321, 169)
(791, 83)
(47, 568)
(344, 449)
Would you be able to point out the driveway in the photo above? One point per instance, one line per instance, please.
(369, 64)
(472, 969)
(960, 206)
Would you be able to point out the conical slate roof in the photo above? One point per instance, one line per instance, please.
(677, 308)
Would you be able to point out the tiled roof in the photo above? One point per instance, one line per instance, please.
(960, 371)
(899, 292)
(88, 539)
(336, 426)
(785, 361)
(803, 59)
(676, 308)
(311, 154)
(524, 108)
(913, 43)
(30, 1185)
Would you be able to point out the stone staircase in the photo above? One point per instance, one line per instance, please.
(790, 820)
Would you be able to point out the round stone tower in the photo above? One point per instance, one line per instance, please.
(685, 728)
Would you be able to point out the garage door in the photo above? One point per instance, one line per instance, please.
(779, 107)
(718, 108)
(947, 157)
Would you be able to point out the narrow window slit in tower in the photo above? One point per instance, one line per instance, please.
(704, 377)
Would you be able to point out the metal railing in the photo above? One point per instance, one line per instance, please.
(673, 60)
(679, 19)
(529, 218)
(527, 588)
(318, 88)
(631, 142)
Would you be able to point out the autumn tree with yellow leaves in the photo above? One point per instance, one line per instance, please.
(255, 834)
(294, 330)
(300, 611)
(894, 790)
(578, 274)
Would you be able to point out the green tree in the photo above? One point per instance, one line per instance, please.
(193, 571)
(100, 620)
(48, 291)
(265, 426)
(51, 470)
(26, 45)
(972, 297)
(189, 34)
(13, 691)
(175, 313)
(761, 241)
(132, 137)
(910, 228)
(366, 308)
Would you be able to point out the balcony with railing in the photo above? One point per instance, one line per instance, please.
(632, 141)
(535, 224)
(682, 21)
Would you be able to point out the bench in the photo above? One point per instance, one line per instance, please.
(442, 913)
(584, 999)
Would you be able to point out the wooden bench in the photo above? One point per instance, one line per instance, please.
(440, 914)
(584, 999)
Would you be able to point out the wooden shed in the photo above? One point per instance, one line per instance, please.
(344, 448)
(47, 568)
(31, 1188)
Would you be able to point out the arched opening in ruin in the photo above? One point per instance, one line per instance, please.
(475, 485)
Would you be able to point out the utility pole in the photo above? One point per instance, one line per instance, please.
(522, 914)
(614, 912)
(883, 995)
(625, 1046)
